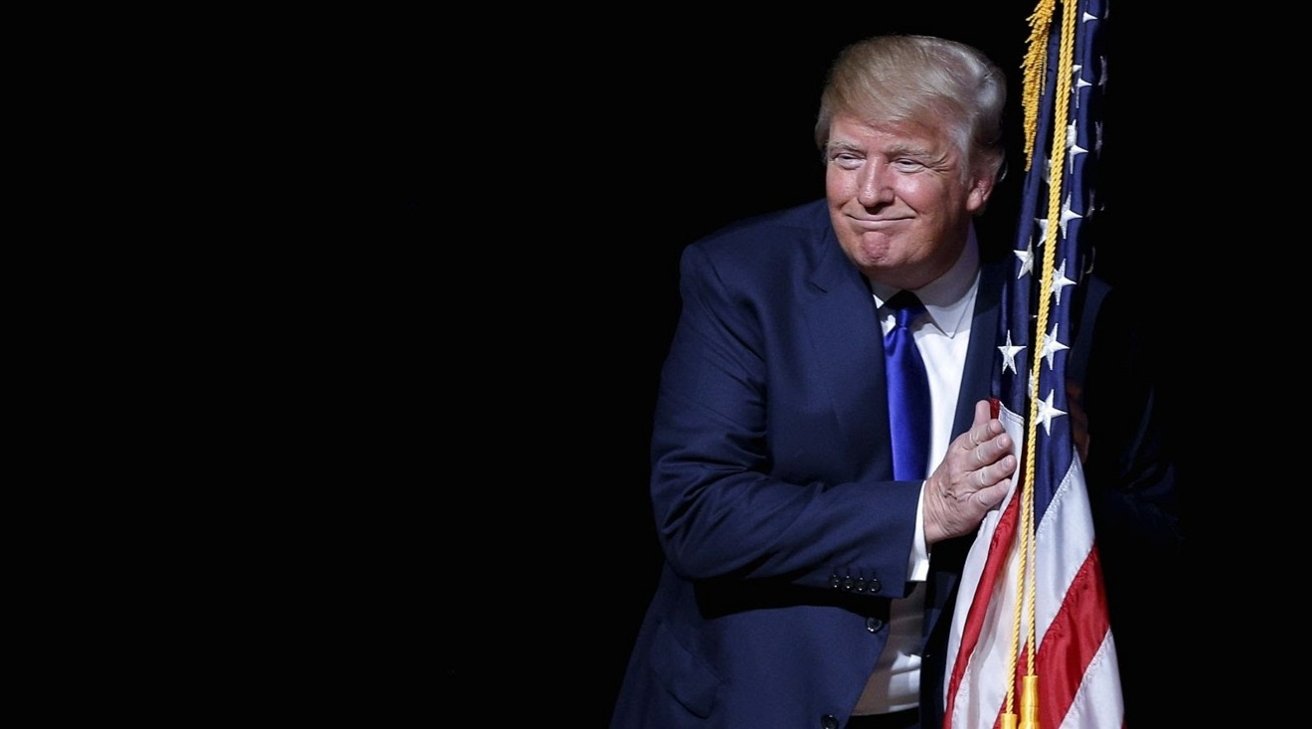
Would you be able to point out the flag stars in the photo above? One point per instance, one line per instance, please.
(1073, 149)
(1047, 411)
(1067, 215)
(1080, 83)
(1059, 282)
(1009, 353)
(1043, 229)
(1026, 259)
(1051, 346)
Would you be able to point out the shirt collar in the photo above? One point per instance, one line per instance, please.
(948, 299)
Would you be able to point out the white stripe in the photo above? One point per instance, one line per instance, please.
(1065, 537)
(1097, 703)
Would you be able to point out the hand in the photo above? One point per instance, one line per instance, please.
(972, 478)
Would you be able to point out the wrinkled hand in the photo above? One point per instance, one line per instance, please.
(972, 478)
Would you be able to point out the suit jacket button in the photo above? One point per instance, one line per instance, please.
(829, 721)
(834, 582)
(847, 583)
(873, 585)
(860, 584)
(874, 624)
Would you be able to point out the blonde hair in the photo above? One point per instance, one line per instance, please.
(894, 79)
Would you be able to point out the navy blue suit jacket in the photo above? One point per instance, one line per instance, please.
(784, 533)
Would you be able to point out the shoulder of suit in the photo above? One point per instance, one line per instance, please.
(778, 233)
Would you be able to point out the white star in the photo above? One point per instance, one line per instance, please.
(1067, 215)
(1087, 16)
(1043, 229)
(1026, 259)
(1073, 149)
(1009, 355)
(1047, 412)
(1051, 346)
(1079, 84)
(1059, 282)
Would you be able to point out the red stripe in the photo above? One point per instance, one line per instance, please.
(999, 547)
(1072, 639)
(1077, 631)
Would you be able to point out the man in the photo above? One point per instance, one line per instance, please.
(805, 584)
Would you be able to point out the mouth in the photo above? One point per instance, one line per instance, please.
(875, 223)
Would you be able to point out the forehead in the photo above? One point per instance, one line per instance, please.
(848, 130)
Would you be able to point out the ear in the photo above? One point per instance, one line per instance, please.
(981, 187)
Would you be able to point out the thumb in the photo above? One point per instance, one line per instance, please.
(983, 413)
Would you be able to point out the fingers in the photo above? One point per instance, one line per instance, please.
(979, 426)
(957, 499)
(984, 427)
(991, 496)
(994, 480)
(991, 450)
(973, 477)
(991, 476)
(994, 474)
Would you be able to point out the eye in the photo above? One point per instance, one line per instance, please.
(846, 160)
(907, 164)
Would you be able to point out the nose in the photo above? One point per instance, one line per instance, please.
(874, 184)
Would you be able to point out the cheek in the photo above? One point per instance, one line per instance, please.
(924, 197)
(837, 185)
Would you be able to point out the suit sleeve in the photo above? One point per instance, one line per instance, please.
(720, 512)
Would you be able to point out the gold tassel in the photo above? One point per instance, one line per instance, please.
(1029, 703)
(1035, 68)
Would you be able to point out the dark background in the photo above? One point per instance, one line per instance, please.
(544, 202)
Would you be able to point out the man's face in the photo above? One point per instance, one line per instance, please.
(898, 198)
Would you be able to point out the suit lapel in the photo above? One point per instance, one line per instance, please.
(849, 358)
(976, 378)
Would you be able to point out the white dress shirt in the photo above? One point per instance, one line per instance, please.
(942, 335)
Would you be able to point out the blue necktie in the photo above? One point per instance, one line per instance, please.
(908, 392)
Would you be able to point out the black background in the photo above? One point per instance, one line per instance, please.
(540, 189)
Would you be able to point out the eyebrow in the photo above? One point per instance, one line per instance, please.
(904, 150)
(901, 150)
(832, 147)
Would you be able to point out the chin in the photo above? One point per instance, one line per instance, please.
(879, 251)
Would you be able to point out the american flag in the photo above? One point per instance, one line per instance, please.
(1078, 676)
